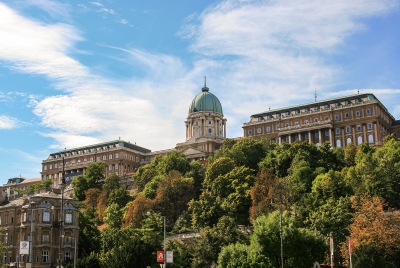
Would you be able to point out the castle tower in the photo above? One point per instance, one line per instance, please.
(205, 126)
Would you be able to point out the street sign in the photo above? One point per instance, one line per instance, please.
(160, 256)
(170, 256)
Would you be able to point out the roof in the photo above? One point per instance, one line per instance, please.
(205, 102)
(370, 96)
(120, 143)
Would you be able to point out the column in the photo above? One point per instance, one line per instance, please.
(376, 133)
(299, 136)
(290, 138)
(309, 137)
(224, 125)
(365, 133)
(280, 140)
(343, 139)
(331, 138)
(353, 131)
(319, 137)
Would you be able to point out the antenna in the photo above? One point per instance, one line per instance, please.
(205, 81)
(315, 93)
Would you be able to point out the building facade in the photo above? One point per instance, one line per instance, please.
(354, 119)
(14, 186)
(42, 233)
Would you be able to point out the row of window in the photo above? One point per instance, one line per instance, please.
(307, 110)
(338, 142)
(268, 129)
(98, 158)
(209, 122)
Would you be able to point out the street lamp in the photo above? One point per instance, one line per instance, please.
(32, 204)
(281, 186)
(62, 186)
(165, 242)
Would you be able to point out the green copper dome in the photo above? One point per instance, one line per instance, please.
(205, 102)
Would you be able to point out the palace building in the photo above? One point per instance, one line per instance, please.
(205, 132)
(354, 119)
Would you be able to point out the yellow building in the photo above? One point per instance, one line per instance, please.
(357, 118)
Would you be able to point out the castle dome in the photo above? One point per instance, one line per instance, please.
(205, 102)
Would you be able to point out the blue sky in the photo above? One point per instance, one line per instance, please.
(75, 73)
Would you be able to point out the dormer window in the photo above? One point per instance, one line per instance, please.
(287, 113)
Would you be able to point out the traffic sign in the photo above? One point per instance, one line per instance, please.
(170, 256)
(160, 256)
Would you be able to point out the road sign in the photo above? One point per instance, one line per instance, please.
(170, 256)
(160, 256)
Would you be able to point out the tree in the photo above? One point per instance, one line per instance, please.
(113, 216)
(208, 245)
(173, 161)
(173, 195)
(119, 196)
(144, 175)
(181, 254)
(136, 211)
(302, 247)
(89, 236)
(92, 197)
(262, 193)
(375, 229)
(93, 173)
(197, 172)
(110, 183)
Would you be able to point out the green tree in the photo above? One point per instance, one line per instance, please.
(173, 161)
(93, 173)
(119, 196)
(181, 254)
(145, 174)
(302, 247)
(89, 236)
(110, 183)
(208, 245)
(113, 216)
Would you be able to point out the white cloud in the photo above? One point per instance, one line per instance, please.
(273, 52)
(124, 21)
(107, 10)
(55, 9)
(96, 4)
(7, 122)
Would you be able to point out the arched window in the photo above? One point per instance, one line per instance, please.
(338, 143)
(348, 140)
(371, 138)
(359, 140)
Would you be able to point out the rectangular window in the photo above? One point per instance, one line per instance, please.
(316, 134)
(46, 216)
(306, 136)
(357, 113)
(250, 132)
(277, 127)
(68, 218)
(346, 115)
(46, 237)
(45, 256)
(268, 129)
(338, 131)
(336, 117)
(110, 167)
(258, 130)
(327, 133)
(67, 256)
(296, 123)
(358, 128)
(368, 111)
(369, 126)
(104, 157)
(348, 129)
(116, 155)
(110, 157)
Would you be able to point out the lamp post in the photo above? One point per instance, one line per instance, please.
(280, 187)
(32, 204)
(62, 186)
(165, 241)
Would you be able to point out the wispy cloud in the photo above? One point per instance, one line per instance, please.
(55, 9)
(96, 4)
(7, 122)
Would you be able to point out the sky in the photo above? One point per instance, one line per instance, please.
(76, 73)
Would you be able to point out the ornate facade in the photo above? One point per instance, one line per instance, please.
(357, 118)
(43, 233)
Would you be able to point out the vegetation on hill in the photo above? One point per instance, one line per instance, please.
(340, 193)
